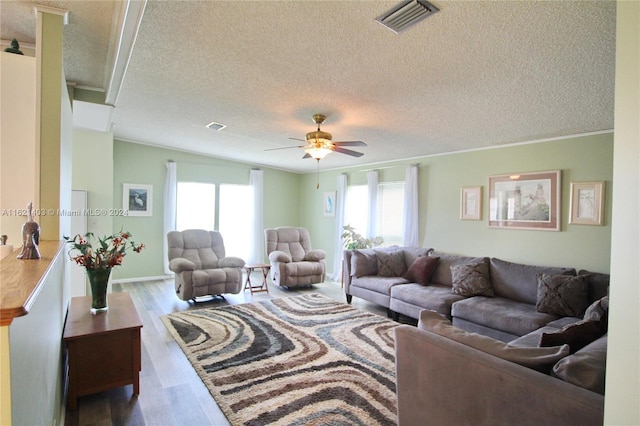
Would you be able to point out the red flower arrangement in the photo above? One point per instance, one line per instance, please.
(110, 250)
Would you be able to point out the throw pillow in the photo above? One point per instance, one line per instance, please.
(471, 279)
(363, 263)
(562, 295)
(598, 310)
(576, 335)
(540, 359)
(421, 269)
(390, 263)
(586, 368)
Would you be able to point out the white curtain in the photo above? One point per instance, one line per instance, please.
(169, 219)
(256, 249)
(341, 199)
(410, 222)
(372, 190)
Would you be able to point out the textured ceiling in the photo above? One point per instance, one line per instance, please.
(475, 74)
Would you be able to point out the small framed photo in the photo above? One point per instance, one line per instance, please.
(587, 203)
(525, 201)
(471, 203)
(137, 199)
(329, 204)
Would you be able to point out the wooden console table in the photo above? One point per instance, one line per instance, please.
(103, 349)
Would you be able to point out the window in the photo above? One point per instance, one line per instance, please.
(232, 215)
(196, 206)
(390, 212)
(355, 210)
(236, 215)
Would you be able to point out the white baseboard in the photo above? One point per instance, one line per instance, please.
(139, 279)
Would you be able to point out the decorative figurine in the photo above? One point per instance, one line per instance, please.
(30, 237)
(15, 47)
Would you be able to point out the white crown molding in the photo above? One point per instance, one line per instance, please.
(128, 19)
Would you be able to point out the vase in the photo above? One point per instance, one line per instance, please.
(99, 280)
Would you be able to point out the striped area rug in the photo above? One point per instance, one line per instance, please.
(303, 360)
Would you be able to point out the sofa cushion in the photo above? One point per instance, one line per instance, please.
(434, 297)
(412, 253)
(501, 314)
(518, 281)
(390, 263)
(378, 284)
(585, 368)
(576, 335)
(421, 269)
(562, 295)
(442, 274)
(363, 262)
(537, 358)
(471, 279)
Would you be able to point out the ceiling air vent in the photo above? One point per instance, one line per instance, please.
(406, 14)
(215, 126)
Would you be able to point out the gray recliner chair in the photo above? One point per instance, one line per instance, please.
(197, 257)
(293, 261)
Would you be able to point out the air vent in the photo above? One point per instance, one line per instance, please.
(215, 126)
(406, 14)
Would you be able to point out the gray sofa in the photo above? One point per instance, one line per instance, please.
(446, 376)
(512, 305)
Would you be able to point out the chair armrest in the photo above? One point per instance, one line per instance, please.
(230, 262)
(279, 256)
(180, 264)
(315, 255)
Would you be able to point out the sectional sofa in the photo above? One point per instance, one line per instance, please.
(527, 309)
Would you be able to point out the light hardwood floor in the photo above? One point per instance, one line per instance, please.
(171, 393)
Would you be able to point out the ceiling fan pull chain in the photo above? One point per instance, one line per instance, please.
(318, 174)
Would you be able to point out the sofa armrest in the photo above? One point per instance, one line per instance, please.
(315, 255)
(180, 264)
(452, 383)
(279, 256)
(230, 262)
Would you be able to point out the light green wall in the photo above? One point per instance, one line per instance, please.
(141, 164)
(585, 158)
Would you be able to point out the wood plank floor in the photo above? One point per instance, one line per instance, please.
(171, 393)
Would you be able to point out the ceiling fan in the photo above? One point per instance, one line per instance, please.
(319, 143)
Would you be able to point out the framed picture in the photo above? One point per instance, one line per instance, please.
(137, 199)
(470, 202)
(587, 206)
(329, 203)
(525, 201)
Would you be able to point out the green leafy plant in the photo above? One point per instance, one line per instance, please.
(353, 240)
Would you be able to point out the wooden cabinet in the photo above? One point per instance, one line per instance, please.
(103, 349)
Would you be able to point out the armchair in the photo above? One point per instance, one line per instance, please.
(197, 257)
(293, 261)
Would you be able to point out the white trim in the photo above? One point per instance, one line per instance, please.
(52, 11)
(140, 279)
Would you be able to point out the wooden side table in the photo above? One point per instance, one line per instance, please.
(264, 267)
(103, 349)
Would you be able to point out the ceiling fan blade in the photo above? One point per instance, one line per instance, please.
(348, 152)
(297, 139)
(306, 156)
(350, 143)
(285, 147)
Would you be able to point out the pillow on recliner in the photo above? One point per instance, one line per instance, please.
(421, 269)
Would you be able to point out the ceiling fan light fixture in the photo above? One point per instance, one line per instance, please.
(318, 152)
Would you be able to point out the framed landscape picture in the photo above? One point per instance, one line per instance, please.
(137, 199)
(525, 201)
(587, 206)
